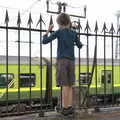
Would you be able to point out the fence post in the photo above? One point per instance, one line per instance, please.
(6, 22)
(18, 24)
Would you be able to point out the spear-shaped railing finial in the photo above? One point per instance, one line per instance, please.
(6, 17)
(104, 28)
(79, 25)
(87, 28)
(112, 30)
(96, 27)
(118, 31)
(30, 19)
(40, 20)
(19, 19)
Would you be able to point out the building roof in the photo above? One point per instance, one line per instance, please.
(23, 60)
(36, 60)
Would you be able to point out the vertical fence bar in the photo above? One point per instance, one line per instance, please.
(6, 22)
(96, 38)
(51, 23)
(79, 68)
(41, 92)
(118, 33)
(30, 94)
(18, 24)
(104, 30)
(87, 53)
(51, 70)
(112, 31)
(118, 56)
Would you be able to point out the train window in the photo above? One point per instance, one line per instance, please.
(6, 78)
(85, 78)
(106, 76)
(27, 80)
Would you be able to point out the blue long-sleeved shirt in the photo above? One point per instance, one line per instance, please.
(67, 38)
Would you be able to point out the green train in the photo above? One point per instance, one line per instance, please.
(105, 81)
(25, 74)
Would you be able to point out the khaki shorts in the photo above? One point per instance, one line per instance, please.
(65, 72)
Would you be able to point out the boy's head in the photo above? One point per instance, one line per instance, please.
(63, 20)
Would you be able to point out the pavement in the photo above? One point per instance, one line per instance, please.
(110, 113)
(107, 116)
(80, 116)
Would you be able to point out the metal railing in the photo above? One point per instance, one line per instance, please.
(97, 78)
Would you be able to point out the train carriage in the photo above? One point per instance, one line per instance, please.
(20, 82)
(31, 81)
(105, 83)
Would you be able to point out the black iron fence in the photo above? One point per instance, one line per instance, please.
(27, 83)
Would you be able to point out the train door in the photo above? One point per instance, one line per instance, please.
(106, 81)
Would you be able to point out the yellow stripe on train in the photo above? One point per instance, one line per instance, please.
(25, 89)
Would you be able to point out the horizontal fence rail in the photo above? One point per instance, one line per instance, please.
(28, 83)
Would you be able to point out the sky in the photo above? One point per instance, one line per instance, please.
(97, 10)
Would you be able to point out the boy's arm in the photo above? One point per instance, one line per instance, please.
(78, 42)
(49, 29)
(46, 38)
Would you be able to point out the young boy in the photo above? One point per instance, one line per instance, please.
(66, 39)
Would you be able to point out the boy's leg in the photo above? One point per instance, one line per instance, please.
(67, 108)
(70, 97)
(65, 96)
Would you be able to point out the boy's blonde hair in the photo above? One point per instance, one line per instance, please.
(63, 20)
